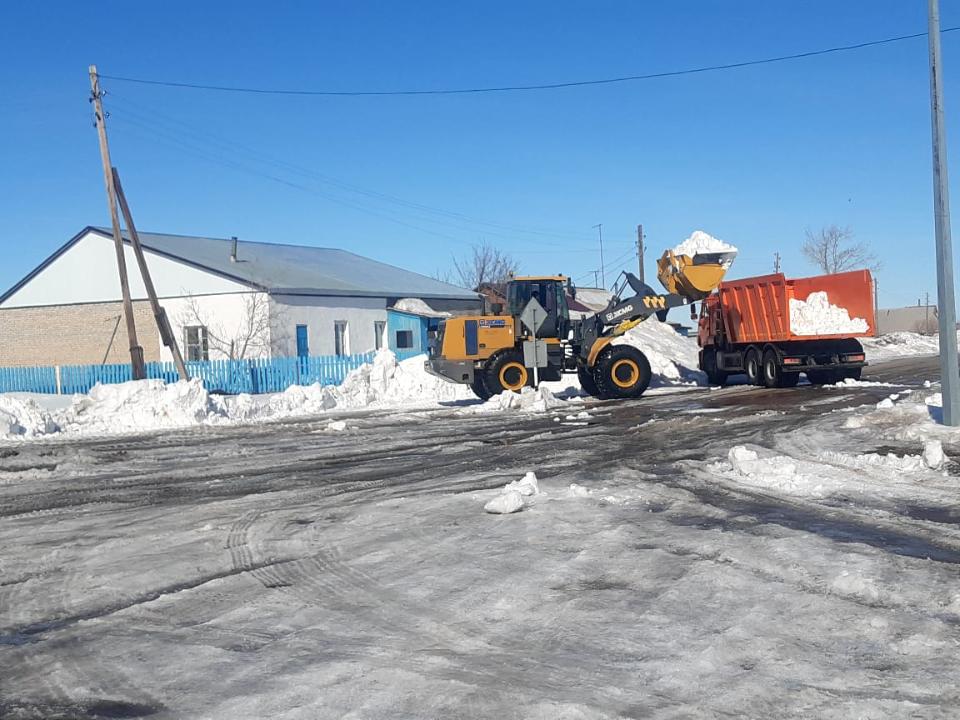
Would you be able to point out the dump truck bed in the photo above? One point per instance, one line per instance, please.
(757, 309)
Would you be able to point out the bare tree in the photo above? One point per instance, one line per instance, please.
(833, 249)
(484, 264)
(246, 338)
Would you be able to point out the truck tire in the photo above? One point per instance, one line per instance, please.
(587, 381)
(773, 374)
(622, 371)
(708, 363)
(752, 365)
(506, 371)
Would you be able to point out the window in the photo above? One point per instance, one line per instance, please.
(378, 331)
(341, 338)
(404, 339)
(195, 342)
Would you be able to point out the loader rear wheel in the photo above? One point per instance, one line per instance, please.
(506, 372)
(479, 387)
(587, 382)
(622, 371)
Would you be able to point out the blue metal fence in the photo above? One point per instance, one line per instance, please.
(225, 376)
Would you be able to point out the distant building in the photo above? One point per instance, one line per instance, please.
(224, 298)
(922, 319)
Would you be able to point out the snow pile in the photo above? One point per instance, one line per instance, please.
(700, 242)
(779, 473)
(141, 405)
(23, 418)
(900, 344)
(417, 307)
(388, 382)
(527, 400)
(510, 499)
(673, 357)
(931, 458)
(816, 316)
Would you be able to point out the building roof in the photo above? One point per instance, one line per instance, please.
(284, 269)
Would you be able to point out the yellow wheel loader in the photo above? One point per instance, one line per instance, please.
(486, 351)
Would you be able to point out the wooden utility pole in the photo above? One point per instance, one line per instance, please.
(163, 322)
(136, 352)
(640, 251)
(776, 262)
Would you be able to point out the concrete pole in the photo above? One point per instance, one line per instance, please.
(640, 252)
(603, 270)
(949, 370)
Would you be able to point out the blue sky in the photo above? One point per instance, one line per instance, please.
(753, 156)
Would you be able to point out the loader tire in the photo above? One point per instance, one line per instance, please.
(479, 387)
(506, 372)
(622, 371)
(587, 381)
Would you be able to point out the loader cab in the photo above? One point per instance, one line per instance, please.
(551, 293)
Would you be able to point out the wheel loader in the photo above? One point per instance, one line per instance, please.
(486, 351)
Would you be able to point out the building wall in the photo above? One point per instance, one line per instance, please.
(319, 315)
(916, 318)
(74, 334)
(402, 321)
(87, 273)
(243, 318)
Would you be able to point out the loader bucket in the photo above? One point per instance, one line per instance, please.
(693, 277)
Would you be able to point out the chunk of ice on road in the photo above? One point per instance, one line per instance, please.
(337, 426)
(577, 491)
(528, 400)
(701, 242)
(816, 316)
(933, 455)
(527, 485)
(507, 502)
(885, 404)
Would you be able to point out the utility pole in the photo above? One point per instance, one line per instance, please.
(603, 270)
(596, 278)
(876, 307)
(139, 371)
(159, 314)
(776, 262)
(640, 251)
(949, 370)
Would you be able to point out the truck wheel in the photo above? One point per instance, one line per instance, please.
(587, 382)
(506, 372)
(751, 364)
(772, 372)
(622, 371)
(708, 363)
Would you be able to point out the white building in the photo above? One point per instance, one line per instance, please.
(222, 296)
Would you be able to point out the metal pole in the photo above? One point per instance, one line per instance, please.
(603, 270)
(640, 251)
(949, 370)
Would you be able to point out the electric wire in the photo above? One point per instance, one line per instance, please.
(524, 88)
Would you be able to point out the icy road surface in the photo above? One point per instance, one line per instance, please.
(286, 571)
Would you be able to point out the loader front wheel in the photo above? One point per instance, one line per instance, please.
(587, 382)
(479, 387)
(622, 371)
(506, 372)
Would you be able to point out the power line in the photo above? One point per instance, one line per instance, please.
(521, 88)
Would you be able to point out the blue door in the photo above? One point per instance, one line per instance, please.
(303, 347)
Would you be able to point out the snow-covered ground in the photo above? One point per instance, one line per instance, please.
(732, 553)
(384, 384)
(900, 344)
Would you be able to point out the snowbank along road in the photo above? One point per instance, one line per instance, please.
(287, 571)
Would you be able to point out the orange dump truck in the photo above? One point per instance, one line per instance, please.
(745, 328)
